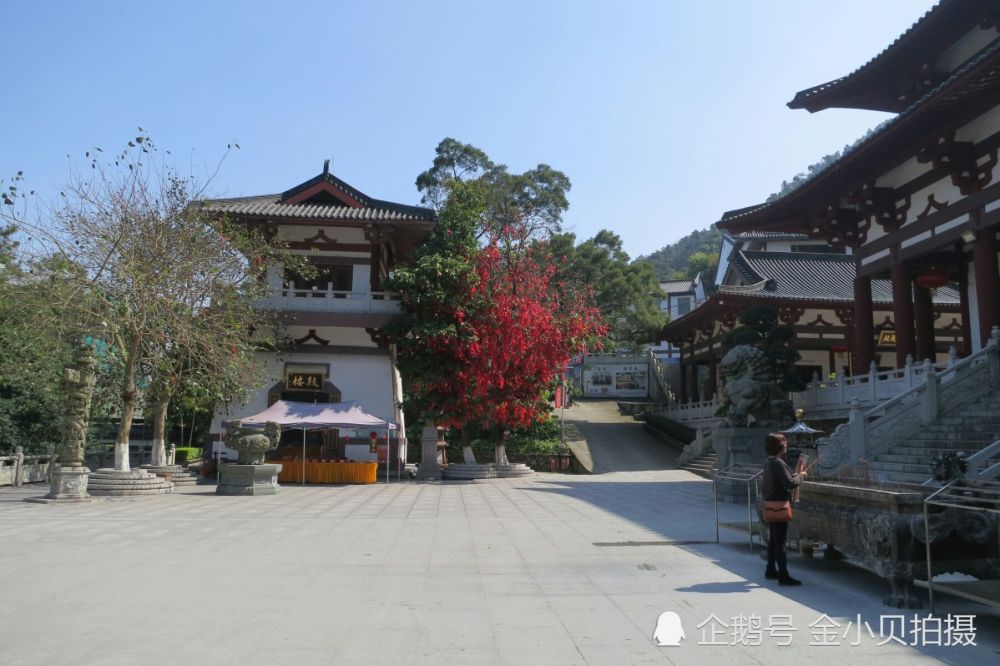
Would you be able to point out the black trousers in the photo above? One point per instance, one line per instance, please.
(776, 548)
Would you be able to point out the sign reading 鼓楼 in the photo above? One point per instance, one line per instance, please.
(304, 380)
(887, 338)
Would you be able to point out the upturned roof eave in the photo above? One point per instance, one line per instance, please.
(781, 214)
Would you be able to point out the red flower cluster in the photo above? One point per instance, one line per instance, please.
(514, 332)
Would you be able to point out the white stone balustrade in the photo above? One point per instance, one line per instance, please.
(330, 300)
(19, 469)
(832, 398)
(871, 431)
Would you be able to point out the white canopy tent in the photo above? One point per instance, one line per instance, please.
(290, 415)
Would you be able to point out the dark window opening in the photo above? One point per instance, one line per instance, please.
(339, 277)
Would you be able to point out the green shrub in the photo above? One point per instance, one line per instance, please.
(540, 438)
(185, 454)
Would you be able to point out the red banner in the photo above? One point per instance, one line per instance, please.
(559, 396)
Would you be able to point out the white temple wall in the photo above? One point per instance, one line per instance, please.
(337, 335)
(815, 357)
(300, 232)
(365, 378)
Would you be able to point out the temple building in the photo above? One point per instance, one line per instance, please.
(911, 210)
(808, 283)
(334, 319)
(915, 202)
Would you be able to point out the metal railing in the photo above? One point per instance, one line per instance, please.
(739, 473)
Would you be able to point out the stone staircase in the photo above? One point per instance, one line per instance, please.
(181, 476)
(703, 465)
(968, 428)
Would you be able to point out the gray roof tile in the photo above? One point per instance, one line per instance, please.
(810, 276)
(269, 206)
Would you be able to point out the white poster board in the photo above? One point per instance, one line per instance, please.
(616, 380)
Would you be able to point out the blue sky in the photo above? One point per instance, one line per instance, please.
(663, 114)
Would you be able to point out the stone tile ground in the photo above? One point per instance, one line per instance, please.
(520, 571)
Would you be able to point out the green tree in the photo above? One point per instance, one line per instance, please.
(32, 356)
(521, 207)
(761, 328)
(168, 288)
(627, 293)
(674, 260)
(431, 293)
(701, 262)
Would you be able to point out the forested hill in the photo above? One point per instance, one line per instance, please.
(698, 251)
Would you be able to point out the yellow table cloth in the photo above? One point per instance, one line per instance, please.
(328, 472)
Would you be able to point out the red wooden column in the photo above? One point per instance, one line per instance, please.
(695, 397)
(376, 266)
(984, 258)
(683, 374)
(963, 300)
(864, 341)
(902, 313)
(923, 319)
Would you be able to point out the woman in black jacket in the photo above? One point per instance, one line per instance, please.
(778, 481)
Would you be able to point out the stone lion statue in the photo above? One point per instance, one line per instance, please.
(750, 393)
(252, 444)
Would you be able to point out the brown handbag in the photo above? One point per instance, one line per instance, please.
(777, 511)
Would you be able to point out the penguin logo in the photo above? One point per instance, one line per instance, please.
(668, 632)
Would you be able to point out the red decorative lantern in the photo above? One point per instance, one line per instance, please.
(838, 349)
(933, 279)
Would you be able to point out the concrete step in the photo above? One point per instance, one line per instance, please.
(703, 460)
(702, 465)
(972, 440)
(892, 467)
(899, 477)
(919, 459)
(967, 418)
(924, 451)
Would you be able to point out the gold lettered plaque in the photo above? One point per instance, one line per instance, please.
(309, 381)
(887, 338)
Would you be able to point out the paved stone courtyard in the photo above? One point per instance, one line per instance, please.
(550, 570)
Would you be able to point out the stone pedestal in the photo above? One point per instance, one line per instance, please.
(69, 484)
(248, 479)
(429, 468)
(742, 446)
(118, 483)
(180, 476)
(466, 471)
(512, 469)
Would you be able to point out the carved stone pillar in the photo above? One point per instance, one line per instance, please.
(902, 313)
(429, 453)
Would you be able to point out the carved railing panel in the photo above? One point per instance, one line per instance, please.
(869, 433)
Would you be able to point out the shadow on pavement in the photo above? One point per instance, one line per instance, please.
(682, 512)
